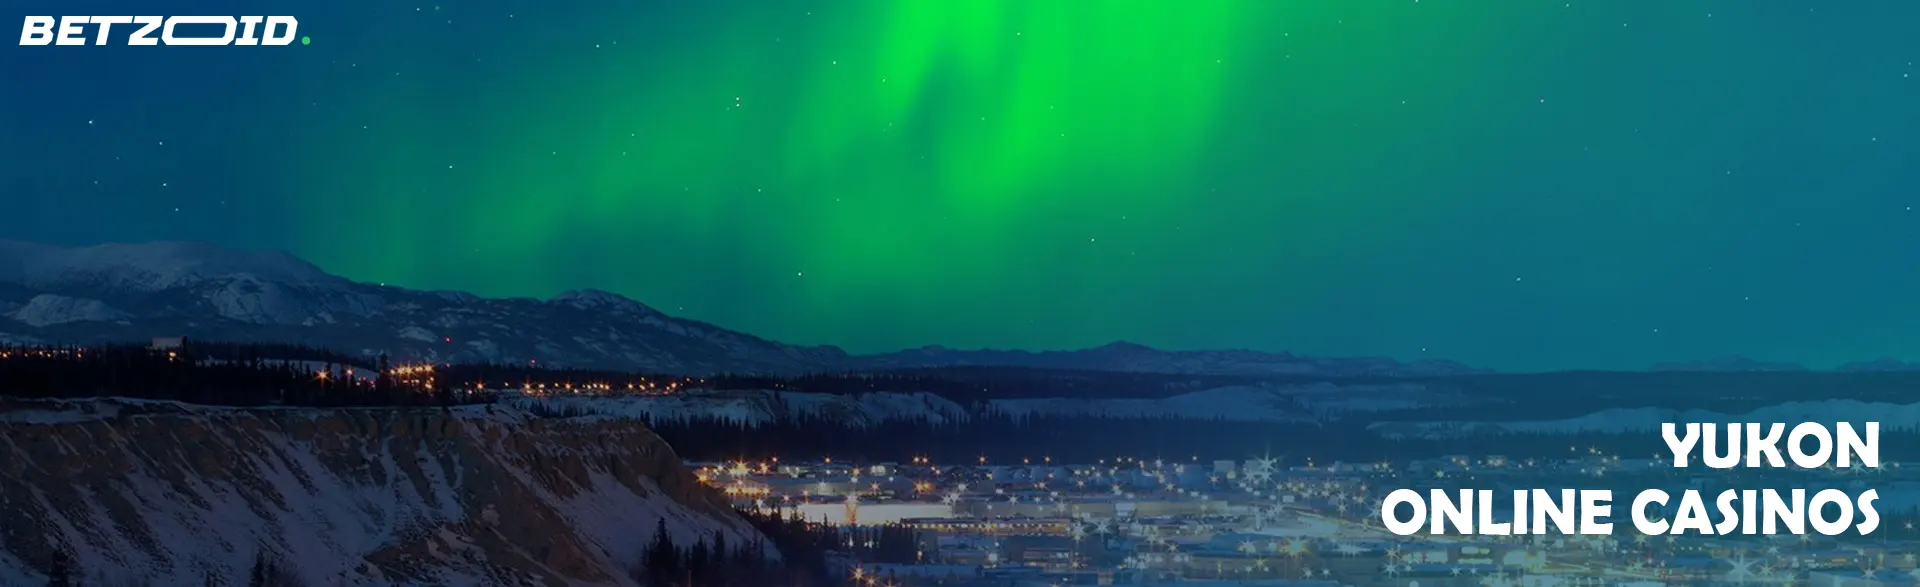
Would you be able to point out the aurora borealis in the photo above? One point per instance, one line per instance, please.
(1520, 185)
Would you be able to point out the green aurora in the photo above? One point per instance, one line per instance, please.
(1518, 185)
(910, 163)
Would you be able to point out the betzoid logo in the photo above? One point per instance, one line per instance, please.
(173, 30)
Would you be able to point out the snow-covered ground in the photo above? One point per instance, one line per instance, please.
(1251, 404)
(49, 309)
(174, 493)
(1647, 420)
(1327, 401)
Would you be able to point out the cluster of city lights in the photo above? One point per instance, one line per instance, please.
(861, 577)
(1261, 492)
(551, 389)
(420, 374)
(425, 370)
(742, 489)
(42, 354)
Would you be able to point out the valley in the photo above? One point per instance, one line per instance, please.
(185, 414)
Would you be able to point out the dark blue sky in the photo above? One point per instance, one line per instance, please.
(1518, 185)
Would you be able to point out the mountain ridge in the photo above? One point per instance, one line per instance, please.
(127, 292)
(122, 292)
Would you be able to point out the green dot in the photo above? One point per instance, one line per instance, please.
(306, 40)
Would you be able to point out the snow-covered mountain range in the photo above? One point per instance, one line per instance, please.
(126, 293)
(134, 292)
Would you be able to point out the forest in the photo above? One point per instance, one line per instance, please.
(804, 547)
(126, 369)
(236, 374)
(250, 374)
(222, 375)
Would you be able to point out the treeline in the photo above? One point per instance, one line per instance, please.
(959, 384)
(588, 381)
(260, 374)
(1490, 397)
(711, 561)
(266, 571)
(252, 374)
(246, 352)
(966, 384)
(218, 374)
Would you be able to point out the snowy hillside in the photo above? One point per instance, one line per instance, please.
(147, 267)
(473, 496)
(50, 309)
(121, 293)
(135, 292)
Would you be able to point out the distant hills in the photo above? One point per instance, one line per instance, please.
(1729, 364)
(1129, 357)
(1733, 364)
(134, 292)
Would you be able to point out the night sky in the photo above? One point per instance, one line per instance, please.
(1519, 185)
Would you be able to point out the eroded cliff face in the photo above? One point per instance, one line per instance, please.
(173, 494)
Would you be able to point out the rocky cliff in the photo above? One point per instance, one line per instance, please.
(168, 494)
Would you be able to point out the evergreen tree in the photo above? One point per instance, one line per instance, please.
(380, 380)
(60, 571)
(662, 561)
(720, 560)
(699, 564)
(257, 577)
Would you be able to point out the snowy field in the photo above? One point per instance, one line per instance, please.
(1891, 416)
